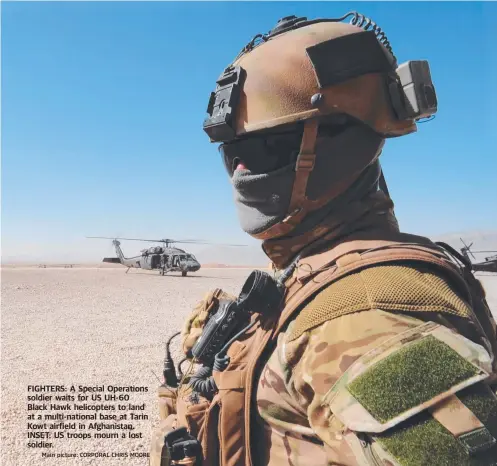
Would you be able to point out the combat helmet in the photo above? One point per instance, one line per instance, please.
(307, 72)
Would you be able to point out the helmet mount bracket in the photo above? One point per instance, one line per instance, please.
(221, 123)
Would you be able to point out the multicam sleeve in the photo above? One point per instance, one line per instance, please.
(321, 356)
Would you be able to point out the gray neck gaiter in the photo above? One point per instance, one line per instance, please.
(262, 200)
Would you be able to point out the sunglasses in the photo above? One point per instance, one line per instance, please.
(267, 153)
(261, 154)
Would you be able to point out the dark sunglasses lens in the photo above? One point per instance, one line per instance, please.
(241, 152)
(261, 155)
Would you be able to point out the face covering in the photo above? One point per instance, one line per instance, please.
(262, 199)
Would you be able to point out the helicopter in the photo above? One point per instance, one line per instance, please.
(488, 265)
(163, 258)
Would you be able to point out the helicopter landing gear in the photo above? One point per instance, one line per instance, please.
(163, 271)
(127, 270)
(183, 274)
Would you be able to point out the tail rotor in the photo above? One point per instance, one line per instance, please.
(467, 249)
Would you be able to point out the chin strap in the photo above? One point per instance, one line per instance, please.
(303, 168)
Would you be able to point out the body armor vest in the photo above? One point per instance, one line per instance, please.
(223, 425)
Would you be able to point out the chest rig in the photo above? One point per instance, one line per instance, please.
(214, 412)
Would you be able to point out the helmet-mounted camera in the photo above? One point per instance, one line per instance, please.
(414, 96)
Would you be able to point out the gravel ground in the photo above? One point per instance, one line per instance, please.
(95, 327)
(90, 327)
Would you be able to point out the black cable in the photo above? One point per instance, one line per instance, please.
(463, 260)
(202, 382)
(240, 333)
(180, 371)
(287, 273)
(169, 372)
(358, 20)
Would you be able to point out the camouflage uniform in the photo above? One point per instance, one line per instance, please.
(301, 373)
(330, 337)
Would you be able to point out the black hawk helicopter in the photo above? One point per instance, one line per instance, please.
(488, 265)
(163, 258)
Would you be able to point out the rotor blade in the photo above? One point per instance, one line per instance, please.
(231, 245)
(207, 242)
(165, 240)
(149, 240)
(469, 250)
(130, 239)
(483, 251)
(184, 240)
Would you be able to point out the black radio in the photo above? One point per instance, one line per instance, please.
(220, 326)
(259, 294)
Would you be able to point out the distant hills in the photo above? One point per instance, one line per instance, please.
(252, 255)
(217, 256)
(482, 240)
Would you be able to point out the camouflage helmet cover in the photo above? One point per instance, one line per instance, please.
(310, 69)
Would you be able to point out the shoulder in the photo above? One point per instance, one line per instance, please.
(323, 354)
(393, 287)
(420, 393)
(400, 389)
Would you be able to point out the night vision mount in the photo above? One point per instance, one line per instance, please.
(221, 124)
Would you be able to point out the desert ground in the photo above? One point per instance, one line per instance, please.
(92, 327)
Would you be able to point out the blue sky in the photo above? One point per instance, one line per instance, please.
(103, 103)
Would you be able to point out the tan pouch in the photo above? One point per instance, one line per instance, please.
(167, 401)
(158, 454)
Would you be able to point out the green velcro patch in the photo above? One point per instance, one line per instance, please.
(409, 377)
(483, 402)
(477, 440)
(423, 441)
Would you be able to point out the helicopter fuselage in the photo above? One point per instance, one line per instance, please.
(168, 260)
(489, 265)
(164, 259)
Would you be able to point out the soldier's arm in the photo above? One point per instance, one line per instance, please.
(350, 418)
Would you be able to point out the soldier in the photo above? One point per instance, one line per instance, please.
(381, 351)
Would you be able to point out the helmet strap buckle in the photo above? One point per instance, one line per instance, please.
(305, 162)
